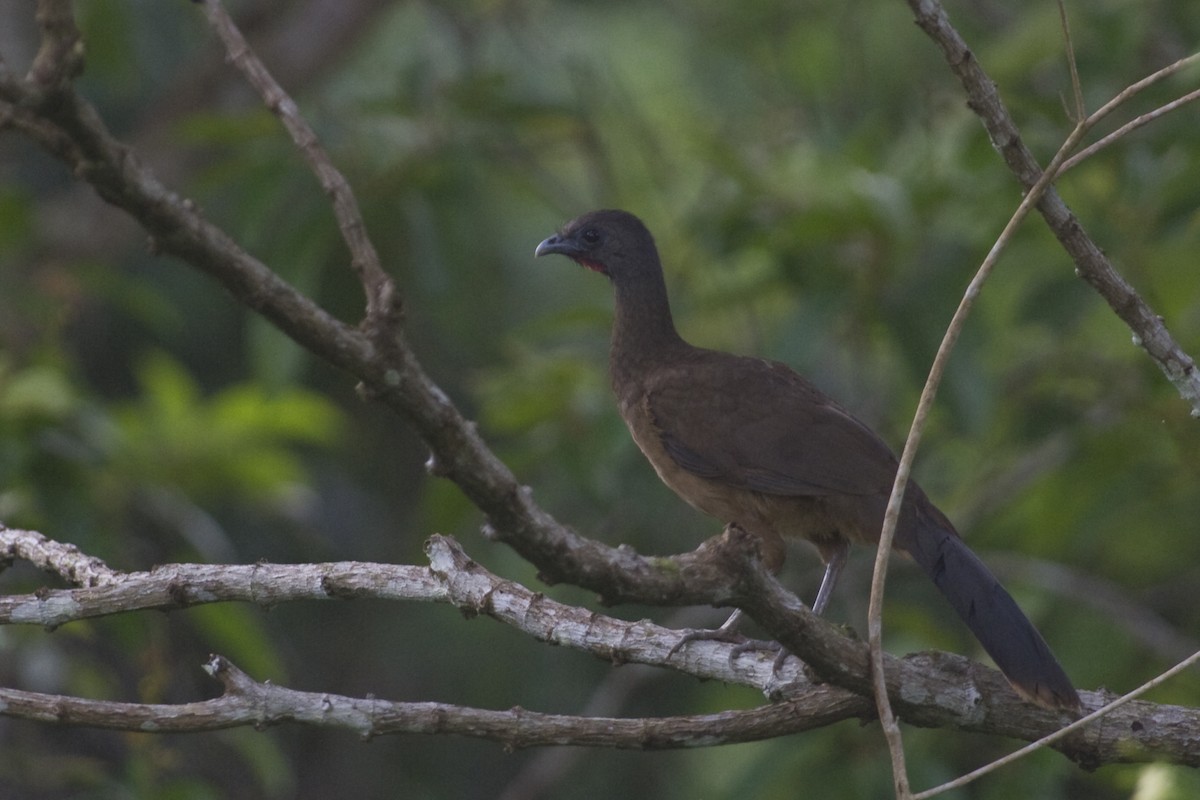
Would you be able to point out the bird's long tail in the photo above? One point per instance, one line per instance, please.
(988, 609)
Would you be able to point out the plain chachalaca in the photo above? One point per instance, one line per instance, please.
(752, 443)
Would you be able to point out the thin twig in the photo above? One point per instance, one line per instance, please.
(1076, 85)
(59, 57)
(62, 559)
(378, 287)
(891, 727)
(1129, 127)
(1145, 83)
(913, 442)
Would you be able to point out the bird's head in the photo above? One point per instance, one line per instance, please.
(613, 243)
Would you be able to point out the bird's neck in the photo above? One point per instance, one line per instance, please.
(643, 330)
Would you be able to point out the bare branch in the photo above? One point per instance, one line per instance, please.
(1078, 113)
(986, 102)
(930, 690)
(1138, 86)
(1149, 330)
(383, 302)
(60, 57)
(247, 702)
(1129, 127)
(452, 577)
(66, 560)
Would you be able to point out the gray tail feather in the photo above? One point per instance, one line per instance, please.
(988, 609)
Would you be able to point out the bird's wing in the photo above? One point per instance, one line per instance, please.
(758, 425)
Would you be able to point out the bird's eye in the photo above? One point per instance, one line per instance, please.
(591, 236)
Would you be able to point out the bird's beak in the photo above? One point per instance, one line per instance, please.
(558, 244)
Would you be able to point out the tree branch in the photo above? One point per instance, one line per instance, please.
(452, 577)
(247, 702)
(383, 302)
(63, 559)
(928, 689)
(983, 97)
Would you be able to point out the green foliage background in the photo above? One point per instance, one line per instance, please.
(821, 195)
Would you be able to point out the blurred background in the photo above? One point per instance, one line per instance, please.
(821, 195)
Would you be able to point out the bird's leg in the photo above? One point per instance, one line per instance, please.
(835, 559)
(771, 552)
(728, 629)
(833, 553)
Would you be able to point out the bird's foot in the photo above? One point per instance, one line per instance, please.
(781, 653)
(711, 635)
(728, 633)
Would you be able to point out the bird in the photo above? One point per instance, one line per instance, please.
(752, 443)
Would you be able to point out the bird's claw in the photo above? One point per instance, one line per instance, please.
(721, 634)
(741, 644)
(781, 653)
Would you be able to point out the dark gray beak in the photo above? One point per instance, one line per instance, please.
(557, 244)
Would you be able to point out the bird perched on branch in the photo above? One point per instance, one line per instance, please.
(752, 443)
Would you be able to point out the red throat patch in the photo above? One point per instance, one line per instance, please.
(594, 266)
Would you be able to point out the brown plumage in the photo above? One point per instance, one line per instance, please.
(751, 442)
